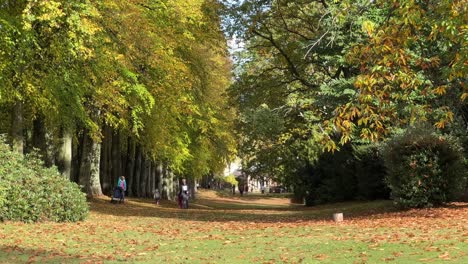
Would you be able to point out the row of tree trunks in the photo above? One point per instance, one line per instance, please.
(95, 165)
(122, 156)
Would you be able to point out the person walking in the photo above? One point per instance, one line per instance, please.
(122, 184)
(156, 196)
(184, 195)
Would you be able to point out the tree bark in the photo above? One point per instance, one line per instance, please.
(174, 184)
(94, 182)
(159, 176)
(89, 167)
(193, 188)
(116, 166)
(65, 154)
(105, 172)
(144, 177)
(130, 165)
(166, 183)
(153, 178)
(17, 126)
(42, 139)
(137, 173)
(78, 154)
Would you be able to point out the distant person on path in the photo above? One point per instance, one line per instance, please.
(122, 184)
(184, 195)
(241, 189)
(262, 188)
(156, 196)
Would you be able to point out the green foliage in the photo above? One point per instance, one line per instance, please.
(342, 72)
(352, 173)
(335, 177)
(425, 169)
(370, 173)
(29, 192)
(411, 68)
(231, 179)
(156, 71)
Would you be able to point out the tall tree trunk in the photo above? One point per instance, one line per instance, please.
(153, 177)
(89, 167)
(173, 183)
(17, 126)
(94, 182)
(144, 176)
(38, 136)
(193, 188)
(137, 173)
(85, 162)
(130, 165)
(149, 181)
(65, 154)
(78, 154)
(42, 139)
(116, 166)
(159, 176)
(166, 184)
(49, 148)
(105, 172)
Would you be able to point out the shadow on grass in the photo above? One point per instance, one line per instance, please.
(242, 213)
(18, 254)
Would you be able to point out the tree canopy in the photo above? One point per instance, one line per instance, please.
(313, 76)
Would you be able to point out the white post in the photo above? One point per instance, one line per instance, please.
(338, 217)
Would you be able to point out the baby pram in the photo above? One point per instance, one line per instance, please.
(117, 195)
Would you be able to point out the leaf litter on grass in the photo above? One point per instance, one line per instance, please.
(222, 234)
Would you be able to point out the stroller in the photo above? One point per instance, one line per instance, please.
(184, 200)
(117, 195)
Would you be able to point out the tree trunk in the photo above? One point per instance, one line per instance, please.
(130, 165)
(65, 154)
(89, 167)
(144, 180)
(17, 126)
(137, 174)
(193, 188)
(174, 184)
(84, 171)
(166, 183)
(150, 182)
(116, 166)
(153, 177)
(49, 149)
(38, 136)
(78, 154)
(42, 139)
(159, 176)
(94, 182)
(105, 172)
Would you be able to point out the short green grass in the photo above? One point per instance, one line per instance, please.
(218, 230)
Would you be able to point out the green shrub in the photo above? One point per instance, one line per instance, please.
(334, 179)
(424, 169)
(29, 192)
(370, 173)
(354, 172)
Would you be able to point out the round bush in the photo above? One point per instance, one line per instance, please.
(29, 192)
(424, 169)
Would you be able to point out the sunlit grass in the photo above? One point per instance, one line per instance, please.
(217, 230)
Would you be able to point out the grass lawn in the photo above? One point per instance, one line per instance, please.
(251, 229)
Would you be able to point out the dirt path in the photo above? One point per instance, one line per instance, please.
(248, 199)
